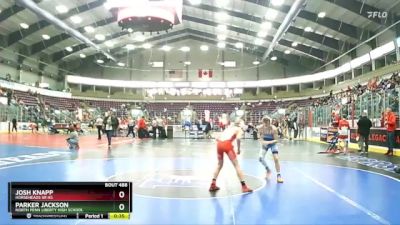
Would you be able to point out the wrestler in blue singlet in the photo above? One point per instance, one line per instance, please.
(273, 147)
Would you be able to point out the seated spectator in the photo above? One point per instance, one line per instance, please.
(73, 139)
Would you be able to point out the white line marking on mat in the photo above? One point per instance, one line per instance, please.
(346, 199)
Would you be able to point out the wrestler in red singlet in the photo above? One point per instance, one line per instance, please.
(225, 144)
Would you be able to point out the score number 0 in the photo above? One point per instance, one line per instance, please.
(121, 195)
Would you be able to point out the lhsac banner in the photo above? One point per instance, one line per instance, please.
(377, 137)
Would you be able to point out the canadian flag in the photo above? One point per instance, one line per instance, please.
(205, 73)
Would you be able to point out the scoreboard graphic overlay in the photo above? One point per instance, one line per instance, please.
(70, 200)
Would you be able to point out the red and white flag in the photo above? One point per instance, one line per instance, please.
(205, 73)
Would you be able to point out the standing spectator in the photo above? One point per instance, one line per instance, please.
(9, 96)
(390, 124)
(115, 124)
(154, 127)
(14, 125)
(131, 125)
(286, 124)
(99, 126)
(295, 127)
(161, 128)
(107, 123)
(141, 127)
(335, 119)
(207, 129)
(363, 130)
(344, 128)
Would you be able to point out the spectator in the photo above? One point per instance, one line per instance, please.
(154, 127)
(390, 124)
(141, 128)
(73, 139)
(108, 127)
(14, 125)
(208, 129)
(364, 127)
(344, 128)
(99, 126)
(115, 124)
(161, 128)
(9, 96)
(131, 125)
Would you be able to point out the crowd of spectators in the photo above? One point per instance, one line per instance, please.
(374, 85)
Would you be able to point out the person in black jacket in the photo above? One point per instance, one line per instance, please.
(364, 127)
(14, 125)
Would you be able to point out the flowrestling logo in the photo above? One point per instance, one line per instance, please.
(374, 163)
(377, 14)
(20, 159)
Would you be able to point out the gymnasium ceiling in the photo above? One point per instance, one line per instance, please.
(344, 25)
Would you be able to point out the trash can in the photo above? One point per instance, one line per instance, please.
(170, 132)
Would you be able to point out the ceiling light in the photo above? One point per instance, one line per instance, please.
(147, 46)
(239, 45)
(222, 3)
(221, 45)
(82, 55)
(187, 63)
(277, 2)
(100, 61)
(222, 15)
(287, 52)
(108, 5)
(321, 14)
(273, 58)
(266, 25)
(89, 29)
(45, 37)
(130, 47)
(195, 2)
(256, 62)
(204, 48)
(221, 37)
(259, 41)
(271, 14)
(308, 29)
(140, 38)
(262, 34)
(230, 64)
(157, 64)
(100, 37)
(69, 49)
(61, 9)
(185, 49)
(130, 30)
(222, 27)
(294, 44)
(109, 44)
(24, 25)
(76, 19)
(121, 64)
(166, 48)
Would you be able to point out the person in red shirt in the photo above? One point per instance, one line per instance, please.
(335, 119)
(141, 127)
(390, 124)
(344, 128)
